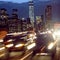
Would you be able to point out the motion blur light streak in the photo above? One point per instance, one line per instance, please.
(31, 46)
(17, 33)
(26, 56)
(57, 33)
(49, 31)
(31, 35)
(19, 45)
(42, 54)
(43, 48)
(50, 45)
(2, 55)
(2, 48)
(1, 40)
(10, 40)
(9, 45)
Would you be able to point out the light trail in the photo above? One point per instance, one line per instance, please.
(26, 56)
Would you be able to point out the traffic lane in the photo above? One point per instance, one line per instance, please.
(19, 56)
(28, 56)
(57, 55)
(31, 56)
(39, 57)
(42, 58)
(15, 55)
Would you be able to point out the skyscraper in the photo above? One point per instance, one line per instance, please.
(24, 25)
(13, 22)
(31, 12)
(48, 16)
(3, 16)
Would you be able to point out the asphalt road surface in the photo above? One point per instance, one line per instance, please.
(39, 57)
(29, 57)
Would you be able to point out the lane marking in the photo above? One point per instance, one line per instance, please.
(26, 56)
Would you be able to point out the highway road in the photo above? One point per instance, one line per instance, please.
(39, 57)
(28, 56)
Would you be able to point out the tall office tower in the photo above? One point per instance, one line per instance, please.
(56, 10)
(19, 25)
(23, 24)
(14, 13)
(3, 16)
(31, 12)
(40, 23)
(13, 25)
(48, 16)
(29, 25)
(13, 22)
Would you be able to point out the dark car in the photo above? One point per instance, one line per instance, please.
(42, 42)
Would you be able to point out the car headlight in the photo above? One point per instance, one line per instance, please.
(9, 45)
(31, 46)
(50, 46)
(56, 33)
(19, 45)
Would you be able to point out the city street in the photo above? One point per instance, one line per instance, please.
(38, 57)
(29, 29)
(28, 56)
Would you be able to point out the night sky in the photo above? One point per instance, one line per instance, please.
(24, 7)
(20, 1)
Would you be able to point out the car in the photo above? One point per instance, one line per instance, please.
(42, 43)
(3, 52)
(19, 42)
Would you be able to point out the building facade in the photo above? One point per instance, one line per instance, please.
(3, 16)
(40, 23)
(48, 16)
(31, 12)
(13, 22)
